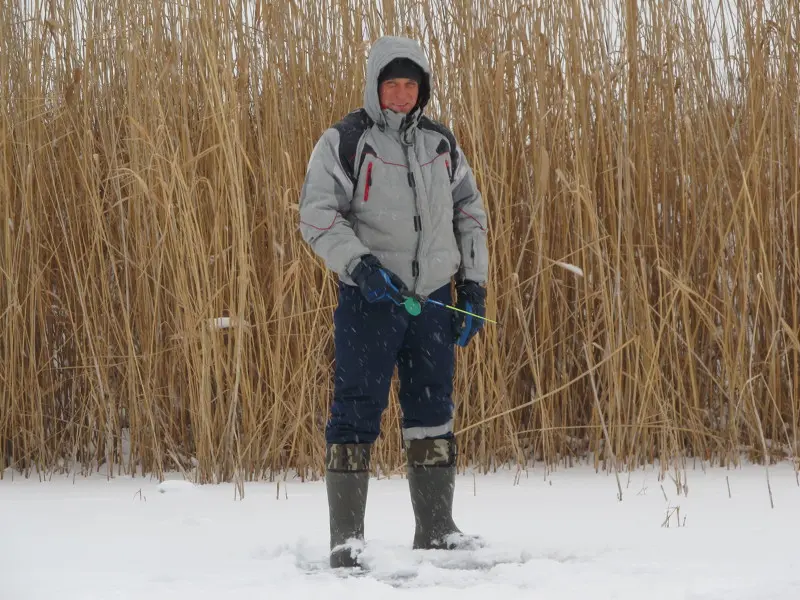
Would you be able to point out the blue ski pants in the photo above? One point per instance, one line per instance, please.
(370, 340)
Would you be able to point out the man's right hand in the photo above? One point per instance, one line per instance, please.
(376, 282)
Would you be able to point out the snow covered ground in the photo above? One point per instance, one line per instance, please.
(563, 535)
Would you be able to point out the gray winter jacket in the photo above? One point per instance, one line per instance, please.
(397, 186)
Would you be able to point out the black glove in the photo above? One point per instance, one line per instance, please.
(377, 283)
(471, 297)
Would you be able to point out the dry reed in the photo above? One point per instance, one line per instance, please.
(151, 156)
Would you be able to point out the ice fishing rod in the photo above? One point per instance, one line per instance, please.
(413, 307)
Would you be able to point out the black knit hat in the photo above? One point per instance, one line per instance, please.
(401, 67)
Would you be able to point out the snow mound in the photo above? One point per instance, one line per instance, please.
(176, 485)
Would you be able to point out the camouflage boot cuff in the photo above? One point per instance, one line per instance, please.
(348, 458)
(431, 453)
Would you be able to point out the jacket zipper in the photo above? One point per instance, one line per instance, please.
(369, 182)
(415, 264)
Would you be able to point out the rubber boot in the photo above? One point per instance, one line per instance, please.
(346, 480)
(431, 481)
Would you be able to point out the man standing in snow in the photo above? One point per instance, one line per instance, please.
(391, 205)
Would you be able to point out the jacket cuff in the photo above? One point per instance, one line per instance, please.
(353, 263)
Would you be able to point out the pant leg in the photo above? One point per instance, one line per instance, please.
(426, 368)
(367, 338)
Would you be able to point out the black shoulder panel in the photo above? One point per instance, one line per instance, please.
(350, 129)
(431, 125)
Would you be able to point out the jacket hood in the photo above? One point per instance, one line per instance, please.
(383, 51)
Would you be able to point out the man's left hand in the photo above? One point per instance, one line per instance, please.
(471, 297)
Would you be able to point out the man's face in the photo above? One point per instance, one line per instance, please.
(399, 95)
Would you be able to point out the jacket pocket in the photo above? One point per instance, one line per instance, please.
(477, 254)
(368, 183)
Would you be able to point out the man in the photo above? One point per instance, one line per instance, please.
(391, 205)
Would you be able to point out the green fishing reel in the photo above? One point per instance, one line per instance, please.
(412, 306)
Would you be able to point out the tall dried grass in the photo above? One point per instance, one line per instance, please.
(151, 156)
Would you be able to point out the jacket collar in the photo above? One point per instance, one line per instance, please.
(404, 126)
